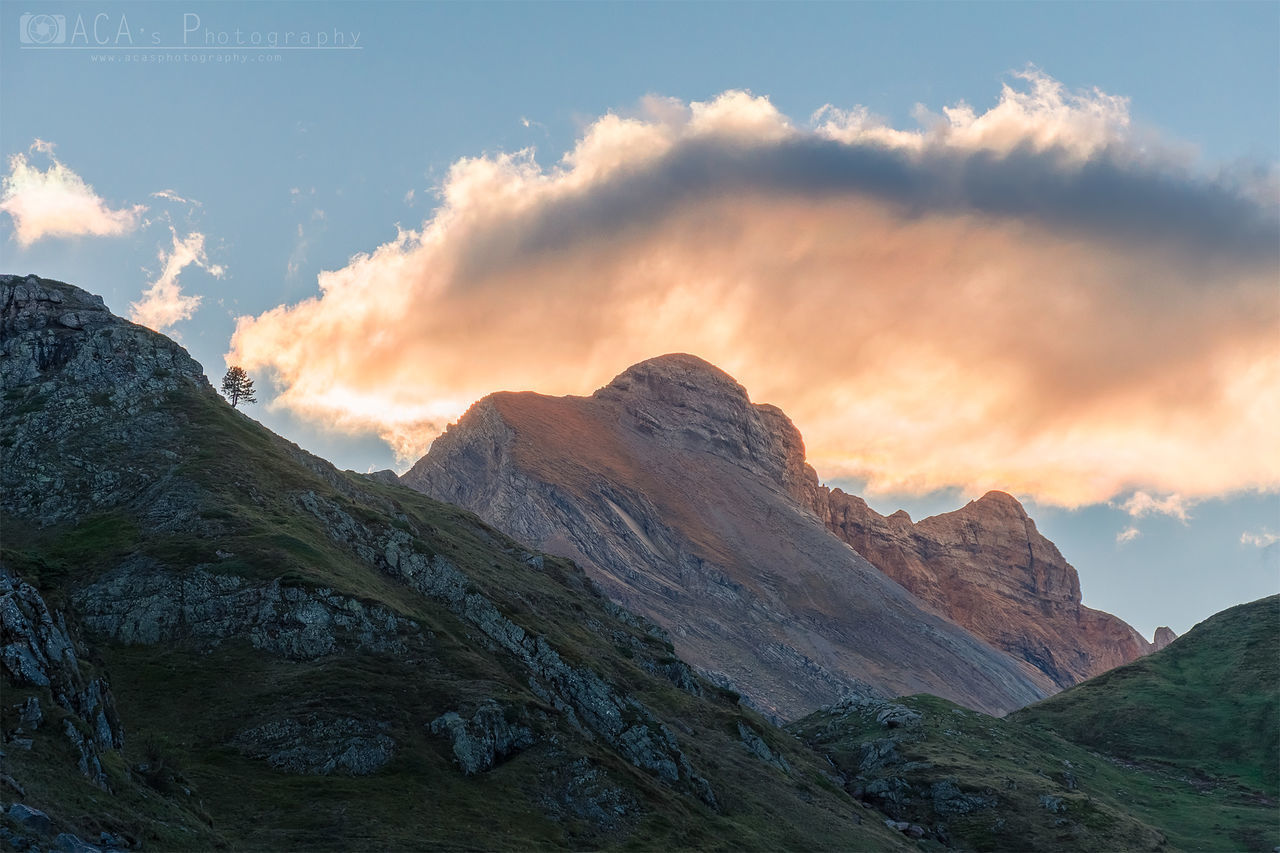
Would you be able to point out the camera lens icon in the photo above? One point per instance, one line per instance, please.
(42, 29)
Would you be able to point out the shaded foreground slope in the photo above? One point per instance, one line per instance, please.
(1207, 703)
(1176, 751)
(213, 639)
(678, 495)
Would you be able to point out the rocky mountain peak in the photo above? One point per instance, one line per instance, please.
(1164, 636)
(672, 378)
(988, 568)
(998, 517)
(685, 500)
(50, 325)
(998, 503)
(635, 475)
(72, 368)
(689, 404)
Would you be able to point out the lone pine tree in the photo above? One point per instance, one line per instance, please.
(238, 386)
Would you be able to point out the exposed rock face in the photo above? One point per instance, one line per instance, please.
(756, 745)
(65, 356)
(986, 567)
(73, 371)
(1163, 637)
(580, 790)
(36, 651)
(483, 740)
(683, 500)
(579, 693)
(144, 602)
(319, 746)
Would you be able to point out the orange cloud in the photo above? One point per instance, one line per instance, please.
(57, 202)
(1012, 300)
(163, 304)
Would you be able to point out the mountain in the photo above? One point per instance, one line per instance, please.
(211, 639)
(691, 504)
(1178, 750)
(986, 567)
(677, 495)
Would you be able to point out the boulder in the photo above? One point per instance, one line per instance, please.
(68, 843)
(30, 818)
(484, 739)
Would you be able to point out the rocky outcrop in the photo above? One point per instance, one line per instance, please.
(756, 745)
(65, 357)
(583, 696)
(875, 738)
(144, 603)
(33, 828)
(319, 746)
(682, 499)
(581, 790)
(987, 568)
(37, 652)
(1164, 636)
(484, 739)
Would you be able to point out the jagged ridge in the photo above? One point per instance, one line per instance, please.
(679, 496)
(986, 567)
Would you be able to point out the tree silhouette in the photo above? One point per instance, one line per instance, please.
(238, 386)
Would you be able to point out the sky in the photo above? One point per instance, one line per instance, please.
(965, 246)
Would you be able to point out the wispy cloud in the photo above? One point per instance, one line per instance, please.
(1129, 534)
(56, 202)
(1141, 504)
(163, 304)
(1030, 298)
(1262, 539)
(170, 195)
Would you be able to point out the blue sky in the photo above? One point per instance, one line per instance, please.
(302, 161)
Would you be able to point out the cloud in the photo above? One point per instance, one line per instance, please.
(1141, 504)
(170, 195)
(1261, 539)
(163, 304)
(1129, 534)
(1032, 298)
(57, 202)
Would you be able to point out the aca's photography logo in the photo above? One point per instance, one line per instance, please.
(42, 29)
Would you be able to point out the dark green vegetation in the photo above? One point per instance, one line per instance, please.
(619, 745)
(1207, 704)
(1174, 751)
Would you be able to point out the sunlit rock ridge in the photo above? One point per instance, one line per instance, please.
(695, 506)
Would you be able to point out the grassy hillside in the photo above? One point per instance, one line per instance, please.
(184, 704)
(981, 783)
(286, 644)
(1175, 751)
(1209, 703)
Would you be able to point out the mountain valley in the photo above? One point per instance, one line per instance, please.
(628, 621)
